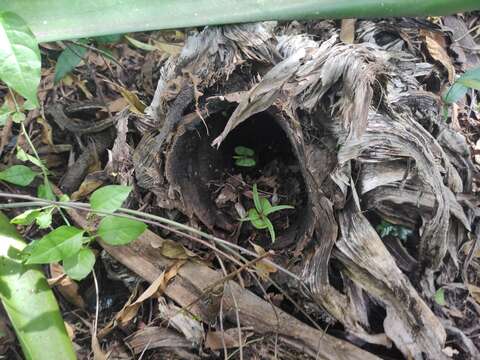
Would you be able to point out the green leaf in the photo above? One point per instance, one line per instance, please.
(470, 83)
(256, 199)
(44, 219)
(19, 56)
(116, 230)
(270, 228)
(61, 243)
(20, 175)
(23, 156)
(108, 39)
(256, 220)
(455, 93)
(244, 151)
(79, 265)
(68, 60)
(245, 162)
(5, 112)
(440, 297)
(109, 198)
(27, 217)
(265, 205)
(29, 105)
(276, 208)
(45, 191)
(139, 44)
(18, 117)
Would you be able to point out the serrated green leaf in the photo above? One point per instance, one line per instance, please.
(109, 198)
(245, 162)
(44, 219)
(68, 60)
(276, 208)
(440, 297)
(61, 243)
(20, 175)
(19, 56)
(256, 199)
(27, 217)
(270, 228)
(244, 151)
(116, 230)
(18, 117)
(79, 265)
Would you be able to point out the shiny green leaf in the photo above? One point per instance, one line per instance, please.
(61, 243)
(244, 151)
(245, 162)
(270, 228)
(276, 208)
(109, 198)
(20, 175)
(27, 217)
(79, 265)
(116, 230)
(68, 60)
(19, 56)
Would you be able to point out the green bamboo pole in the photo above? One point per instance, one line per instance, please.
(30, 303)
(67, 19)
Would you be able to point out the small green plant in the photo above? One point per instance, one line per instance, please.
(469, 80)
(71, 245)
(385, 229)
(244, 156)
(258, 216)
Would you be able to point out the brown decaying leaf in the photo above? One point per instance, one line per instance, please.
(436, 48)
(156, 288)
(216, 339)
(474, 292)
(68, 288)
(347, 31)
(174, 250)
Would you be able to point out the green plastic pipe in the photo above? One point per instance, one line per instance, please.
(30, 303)
(67, 19)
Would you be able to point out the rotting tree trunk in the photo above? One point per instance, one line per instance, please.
(361, 143)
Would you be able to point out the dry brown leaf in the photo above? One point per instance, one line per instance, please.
(98, 353)
(347, 31)
(230, 337)
(136, 105)
(169, 48)
(474, 292)
(263, 268)
(46, 131)
(155, 289)
(438, 52)
(91, 183)
(174, 250)
(68, 288)
(117, 105)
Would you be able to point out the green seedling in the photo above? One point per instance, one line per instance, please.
(244, 156)
(258, 216)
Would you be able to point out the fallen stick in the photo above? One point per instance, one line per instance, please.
(144, 257)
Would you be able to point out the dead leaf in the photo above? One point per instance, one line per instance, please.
(68, 288)
(347, 31)
(136, 105)
(117, 105)
(174, 250)
(46, 132)
(263, 268)
(436, 48)
(169, 48)
(98, 353)
(91, 183)
(155, 289)
(474, 292)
